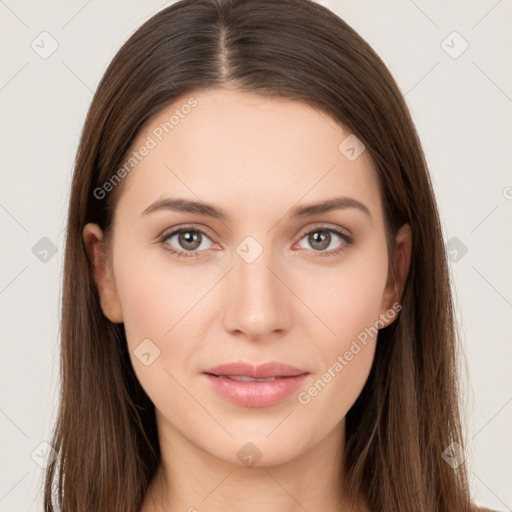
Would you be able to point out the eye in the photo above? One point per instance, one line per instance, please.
(321, 238)
(189, 239)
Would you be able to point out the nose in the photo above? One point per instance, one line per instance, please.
(258, 300)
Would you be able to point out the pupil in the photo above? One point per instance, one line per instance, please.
(189, 239)
(322, 238)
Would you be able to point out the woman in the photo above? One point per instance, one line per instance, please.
(256, 311)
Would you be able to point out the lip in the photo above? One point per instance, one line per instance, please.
(262, 371)
(255, 394)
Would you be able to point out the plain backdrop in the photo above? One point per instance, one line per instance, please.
(452, 61)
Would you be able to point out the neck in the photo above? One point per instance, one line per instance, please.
(190, 479)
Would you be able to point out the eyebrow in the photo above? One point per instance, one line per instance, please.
(208, 210)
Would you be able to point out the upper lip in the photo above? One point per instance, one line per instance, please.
(262, 371)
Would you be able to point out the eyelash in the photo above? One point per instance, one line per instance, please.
(349, 240)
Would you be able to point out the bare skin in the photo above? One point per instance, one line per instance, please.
(301, 301)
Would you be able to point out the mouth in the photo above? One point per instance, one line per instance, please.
(255, 386)
(269, 370)
(244, 378)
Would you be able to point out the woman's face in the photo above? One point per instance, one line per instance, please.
(257, 281)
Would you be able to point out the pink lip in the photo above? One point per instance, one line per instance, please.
(262, 371)
(255, 394)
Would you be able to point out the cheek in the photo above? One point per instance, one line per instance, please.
(348, 304)
(344, 301)
(152, 304)
(155, 294)
(345, 350)
(330, 394)
(160, 303)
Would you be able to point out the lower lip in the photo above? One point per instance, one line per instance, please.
(256, 394)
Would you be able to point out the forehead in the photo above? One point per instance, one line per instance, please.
(233, 147)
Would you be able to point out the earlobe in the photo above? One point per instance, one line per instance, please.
(396, 283)
(102, 272)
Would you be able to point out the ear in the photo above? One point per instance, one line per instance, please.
(396, 281)
(102, 272)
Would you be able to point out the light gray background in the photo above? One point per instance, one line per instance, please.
(461, 106)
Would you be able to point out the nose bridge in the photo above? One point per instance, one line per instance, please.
(257, 303)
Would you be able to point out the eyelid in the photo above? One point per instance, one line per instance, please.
(317, 225)
(341, 232)
(326, 226)
(177, 229)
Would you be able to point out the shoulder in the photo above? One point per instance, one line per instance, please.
(484, 509)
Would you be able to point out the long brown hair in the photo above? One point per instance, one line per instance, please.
(408, 412)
